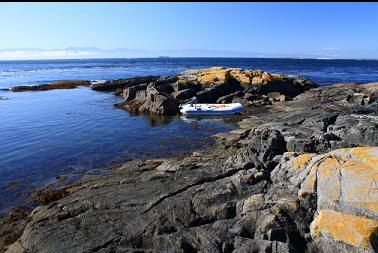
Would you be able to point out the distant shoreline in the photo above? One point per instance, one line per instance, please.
(195, 57)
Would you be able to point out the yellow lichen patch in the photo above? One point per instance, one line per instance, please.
(346, 179)
(308, 186)
(215, 69)
(367, 155)
(244, 79)
(267, 77)
(244, 76)
(360, 175)
(213, 75)
(257, 80)
(277, 76)
(257, 73)
(218, 75)
(301, 161)
(290, 154)
(351, 229)
(186, 80)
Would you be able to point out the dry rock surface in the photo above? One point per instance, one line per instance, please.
(211, 85)
(298, 176)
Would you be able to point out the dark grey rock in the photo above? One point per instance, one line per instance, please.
(123, 83)
(238, 196)
(130, 93)
(184, 94)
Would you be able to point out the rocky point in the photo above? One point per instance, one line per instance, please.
(299, 175)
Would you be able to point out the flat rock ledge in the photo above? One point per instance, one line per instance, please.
(65, 84)
(298, 176)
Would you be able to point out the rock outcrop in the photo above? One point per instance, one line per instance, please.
(66, 84)
(120, 84)
(298, 176)
(341, 188)
(212, 85)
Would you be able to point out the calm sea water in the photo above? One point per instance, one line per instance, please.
(70, 132)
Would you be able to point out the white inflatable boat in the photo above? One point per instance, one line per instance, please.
(211, 109)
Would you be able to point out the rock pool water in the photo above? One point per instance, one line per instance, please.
(69, 132)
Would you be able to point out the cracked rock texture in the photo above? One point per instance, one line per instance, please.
(298, 176)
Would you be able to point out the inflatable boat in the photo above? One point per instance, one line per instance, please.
(211, 109)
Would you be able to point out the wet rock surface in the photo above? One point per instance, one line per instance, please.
(66, 84)
(298, 176)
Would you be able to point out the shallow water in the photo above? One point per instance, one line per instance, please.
(64, 132)
(69, 132)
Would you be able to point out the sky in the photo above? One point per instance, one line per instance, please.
(96, 30)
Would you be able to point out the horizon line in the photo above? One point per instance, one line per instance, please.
(195, 57)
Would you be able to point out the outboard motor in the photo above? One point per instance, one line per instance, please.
(193, 101)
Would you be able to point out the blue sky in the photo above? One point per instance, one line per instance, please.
(50, 30)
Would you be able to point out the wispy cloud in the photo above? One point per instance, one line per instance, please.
(93, 52)
(43, 54)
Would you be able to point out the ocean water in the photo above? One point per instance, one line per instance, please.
(54, 133)
(324, 72)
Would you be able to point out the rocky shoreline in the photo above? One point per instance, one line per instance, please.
(299, 175)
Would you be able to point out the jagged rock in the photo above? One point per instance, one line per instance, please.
(184, 94)
(184, 85)
(123, 83)
(165, 88)
(211, 94)
(146, 98)
(246, 245)
(130, 93)
(229, 98)
(222, 85)
(264, 145)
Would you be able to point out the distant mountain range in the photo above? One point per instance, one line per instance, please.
(94, 52)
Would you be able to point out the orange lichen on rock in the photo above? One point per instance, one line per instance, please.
(243, 76)
(257, 80)
(257, 73)
(220, 75)
(213, 75)
(278, 76)
(345, 179)
(348, 228)
(301, 161)
(266, 76)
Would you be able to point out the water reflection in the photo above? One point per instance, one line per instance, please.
(68, 133)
